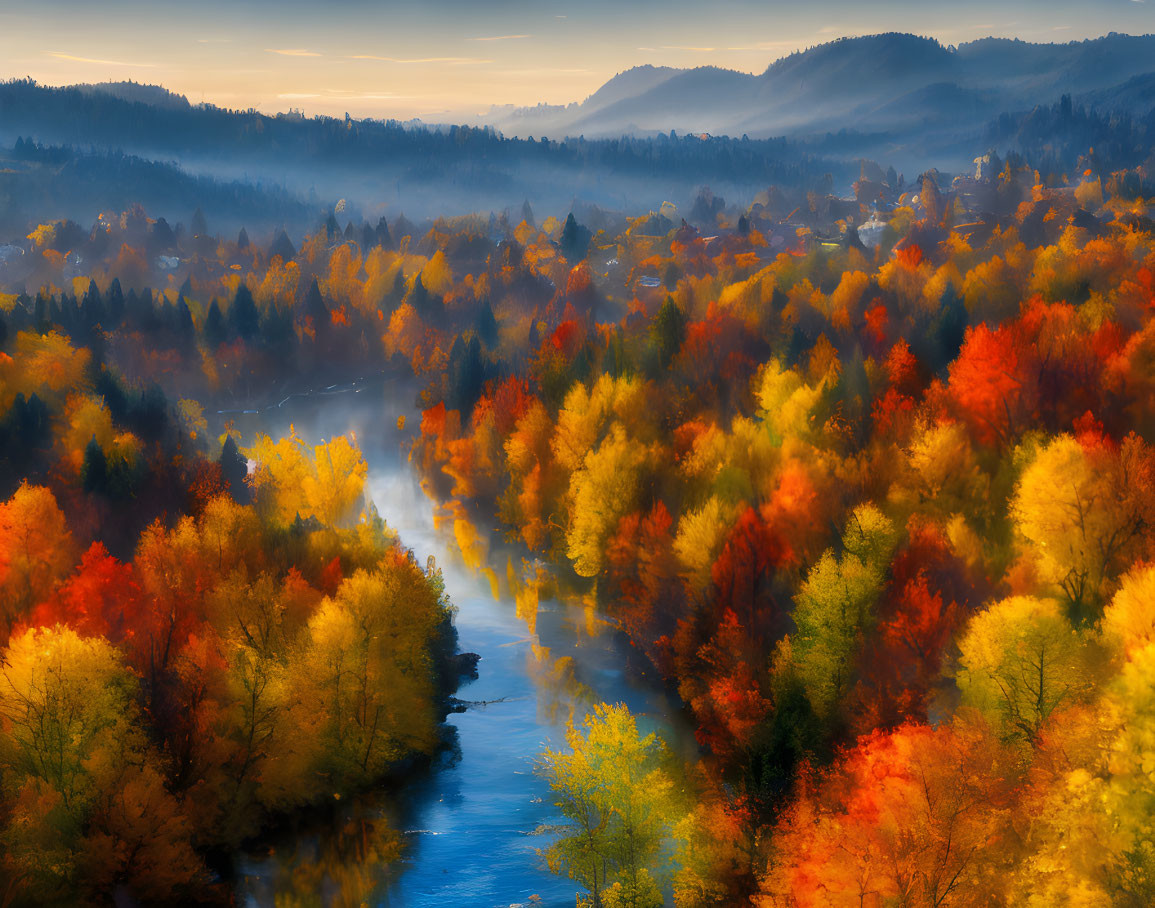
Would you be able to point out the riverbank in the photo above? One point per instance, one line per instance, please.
(465, 829)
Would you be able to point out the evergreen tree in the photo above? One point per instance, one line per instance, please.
(384, 239)
(277, 329)
(94, 472)
(92, 308)
(198, 226)
(234, 470)
(283, 247)
(148, 414)
(466, 374)
(147, 317)
(575, 239)
(669, 332)
(244, 319)
(162, 238)
(394, 297)
(315, 309)
(420, 298)
(41, 313)
(214, 329)
(108, 386)
(183, 326)
(114, 303)
(24, 429)
(487, 324)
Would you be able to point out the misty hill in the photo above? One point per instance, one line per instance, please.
(376, 164)
(137, 93)
(803, 124)
(40, 183)
(895, 84)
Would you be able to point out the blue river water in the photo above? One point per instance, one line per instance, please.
(467, 831)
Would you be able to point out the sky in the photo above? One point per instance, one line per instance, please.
(442, 60)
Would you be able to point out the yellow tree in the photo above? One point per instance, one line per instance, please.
(76, 764)
(616, 798)
(282, 467)
(36, 550)
(367, 669)
(700, 536)
(60, 696)
(528, 458)
(836, 605)
(1019, 661)
(1070, 843)
(337, 484)
(1130, 792)
(786, 403)
(1085, 514)
(326, 482)
(44, 364)
(601, 492)
(585, 416)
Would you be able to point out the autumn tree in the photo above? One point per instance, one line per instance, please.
(369, 670)
(35, 550)
(601, 491)
(616, 798)
(920, 816)
(993, 384)
(836, 606)
(1085, 509)
(77, 768)
(1020, 660)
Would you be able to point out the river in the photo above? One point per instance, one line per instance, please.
(463, 832)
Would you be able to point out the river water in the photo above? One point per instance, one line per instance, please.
(463, 832)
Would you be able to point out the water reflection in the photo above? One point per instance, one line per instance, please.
(342, 866)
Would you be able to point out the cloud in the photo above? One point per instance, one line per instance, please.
(292, 52)
(501, 38)
(541, 71)
(451, 61)
(768, 45)
(297, 95)
(687, 47)
(343, 95)
(72, 59)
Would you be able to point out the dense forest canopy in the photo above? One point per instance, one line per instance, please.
(867, 482)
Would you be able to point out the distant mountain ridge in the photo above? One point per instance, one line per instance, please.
(887, 83)
(137, 93)
(804, 123)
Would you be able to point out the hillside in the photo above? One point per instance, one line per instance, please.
(891, 83)
(421, 170)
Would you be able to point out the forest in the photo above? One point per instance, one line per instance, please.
(878, 508)
(422, 168)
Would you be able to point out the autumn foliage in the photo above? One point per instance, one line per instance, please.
(883, 517)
